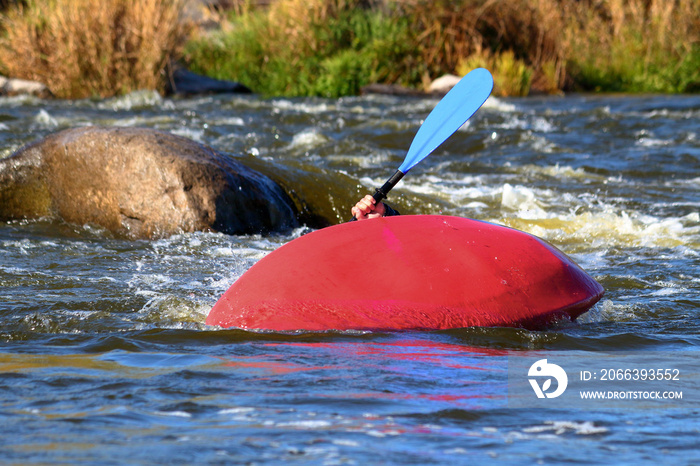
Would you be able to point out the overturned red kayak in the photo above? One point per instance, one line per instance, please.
(419, 272)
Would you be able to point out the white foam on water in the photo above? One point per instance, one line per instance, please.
(523, 200)
(9, 150)
(562, 171)
(308, 139)
(566, 427)
(45, 121)
(542, 125)
(222, 252)
(174, 413)
(692, 182)
(540, 143)
(285, 105)
(21, 245)
(345, 443)
(130, 122)
(494, 103)
(558, 217)
(237, 410)
(666, 113)
(456, 190)
(653, 142)
(190, 133)
(512, 122)
(229, 120)
(465, 126)
(612, 227)
(169, 311)
(667, 288)
(587, 219)
(18, 100)
(136, 99)
(371, 160)
(151, 279)
(372, 183)
(306, 424)
(609, 311)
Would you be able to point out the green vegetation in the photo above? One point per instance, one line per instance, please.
(512, 77)
(307, 48)
(85, 48)
(636, 46)
(332, 48)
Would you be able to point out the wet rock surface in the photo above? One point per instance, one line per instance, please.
(139, 183)
(11, 86)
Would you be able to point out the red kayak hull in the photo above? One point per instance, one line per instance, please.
(424, 272)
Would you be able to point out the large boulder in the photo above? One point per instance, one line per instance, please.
(139, 183)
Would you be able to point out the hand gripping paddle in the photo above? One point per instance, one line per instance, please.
(458, 105)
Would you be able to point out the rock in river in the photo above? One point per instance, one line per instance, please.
(139, 183)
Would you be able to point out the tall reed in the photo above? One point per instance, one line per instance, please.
(451, 33)
(83, 48)
(635, 45)
(331, 48)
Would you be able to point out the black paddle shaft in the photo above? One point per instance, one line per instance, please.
(450, 114)
(381, 193)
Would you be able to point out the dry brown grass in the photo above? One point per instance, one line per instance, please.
(79, 48)
(549, 45)
(86, 48)
(637, 45)
(293, 22)
(527, 31)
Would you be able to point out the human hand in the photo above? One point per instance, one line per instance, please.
(367, 208)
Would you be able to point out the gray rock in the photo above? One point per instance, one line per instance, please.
(11, 86)
(181, 81)
(390, 89)
(443, 84)
(139, 183)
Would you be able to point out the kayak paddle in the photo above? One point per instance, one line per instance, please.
(458, 105)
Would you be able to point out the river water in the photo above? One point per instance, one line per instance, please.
(105, 357)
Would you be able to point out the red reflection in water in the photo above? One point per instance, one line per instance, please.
(413, 370)
(267, 365)
(405, 350)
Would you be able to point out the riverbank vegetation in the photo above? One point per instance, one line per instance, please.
(336, 47)
(89, 48)
(332, 48)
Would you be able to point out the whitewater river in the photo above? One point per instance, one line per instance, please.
(105, 357)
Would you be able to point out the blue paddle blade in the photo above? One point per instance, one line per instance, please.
(458, 105)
